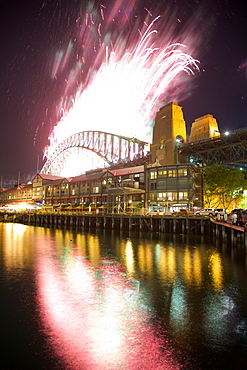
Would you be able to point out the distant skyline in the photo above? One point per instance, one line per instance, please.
(32, 33)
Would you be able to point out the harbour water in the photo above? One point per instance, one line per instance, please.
(113, 300)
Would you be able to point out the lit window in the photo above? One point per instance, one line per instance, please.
(163, 173)
(153, 175)
(96, 189)
(182, 172)
(172, 173)
(183, 195)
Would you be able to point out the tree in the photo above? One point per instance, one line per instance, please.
(224, 184)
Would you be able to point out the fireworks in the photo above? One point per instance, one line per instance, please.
(128, 70)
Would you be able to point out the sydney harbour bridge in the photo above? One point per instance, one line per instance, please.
(122, 151)
(112, 149)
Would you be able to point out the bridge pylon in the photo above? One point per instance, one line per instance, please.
(169, 131)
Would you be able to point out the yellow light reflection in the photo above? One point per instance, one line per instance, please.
(145, 258)
(166, 263)
(171, 263)
(192, 266)
(197, 268)
(129, 257)
(17, 245)
(141, 258)
(162, 264)
(81, 243)
(94, 249)
(63, 240)
(187, 266)
(216, 270)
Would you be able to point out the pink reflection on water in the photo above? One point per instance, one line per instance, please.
(95, 318)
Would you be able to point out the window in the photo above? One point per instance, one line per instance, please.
(172, 173)
(183, 195)
(169, 184)
(162, 184)
(182, 172)
(183, 183)
(153, 175)
(162, 173)
(167, 196)
(95, 189)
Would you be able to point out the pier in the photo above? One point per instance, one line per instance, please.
(222, 231)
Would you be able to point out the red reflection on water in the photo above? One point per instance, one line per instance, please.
(96, 318)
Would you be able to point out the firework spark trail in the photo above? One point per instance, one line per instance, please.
(127, 80)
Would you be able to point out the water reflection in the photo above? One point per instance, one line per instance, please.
(102, 311)
(130, 301)
(15, 252)
(215, 270)
(128, 256)
(94, 313)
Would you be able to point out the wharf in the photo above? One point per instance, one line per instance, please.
(222, 231)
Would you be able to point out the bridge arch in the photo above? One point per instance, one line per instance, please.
(110, 147)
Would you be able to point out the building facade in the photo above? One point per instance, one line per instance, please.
(174, 187)
(132, 189)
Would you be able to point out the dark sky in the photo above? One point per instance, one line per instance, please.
(33, 31)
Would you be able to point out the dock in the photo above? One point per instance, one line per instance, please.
(222, 231)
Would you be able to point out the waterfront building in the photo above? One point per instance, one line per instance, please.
(102, 189)
(174, 187)
(17, 193)
(132, 189)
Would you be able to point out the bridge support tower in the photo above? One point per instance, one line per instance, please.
(169, 131)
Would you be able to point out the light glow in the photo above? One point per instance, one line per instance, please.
(22, 206)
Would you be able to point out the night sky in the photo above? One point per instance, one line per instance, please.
(32, 32)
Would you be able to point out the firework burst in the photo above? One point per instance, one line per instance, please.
(128, 70)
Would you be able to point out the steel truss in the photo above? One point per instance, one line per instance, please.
(223, 150)
(112, 148)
